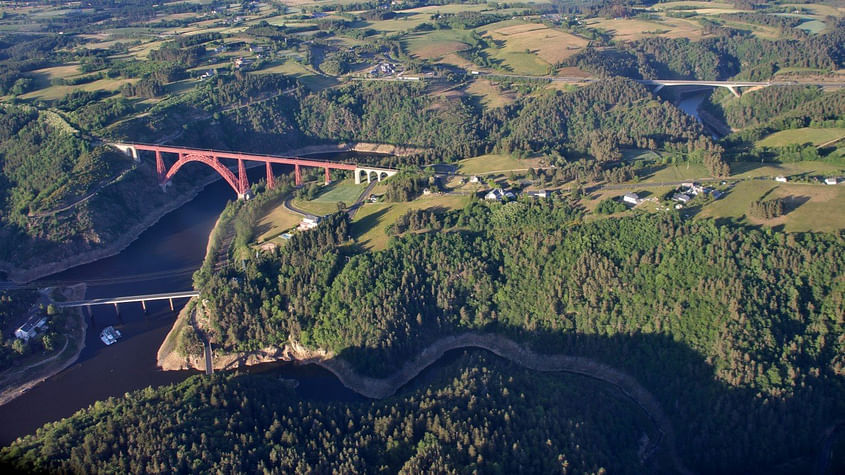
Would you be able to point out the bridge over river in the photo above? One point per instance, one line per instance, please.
(130, 298)
(659, 84)
(240, 183)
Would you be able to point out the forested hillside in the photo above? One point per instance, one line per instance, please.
(716, 320)
(480, 414)
(53, 193)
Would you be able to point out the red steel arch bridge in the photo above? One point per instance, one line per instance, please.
(240, 182)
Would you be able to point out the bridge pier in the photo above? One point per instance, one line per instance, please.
(116, 309)
(144, 306)
(171, 305)
(297, 175)
(243, 181)
(271, 180)
(328, 176)
(161, 170)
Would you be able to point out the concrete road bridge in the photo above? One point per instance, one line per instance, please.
(88, 303)
(240, 183)
(659, 84)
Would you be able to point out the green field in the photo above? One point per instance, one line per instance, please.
(312, 80)
(813, 26)
(808, 206)
(326, 202)
(670, 173)
(436, 44)
(754, 169)
(816, 136)
(495, 164)
(371, 220)
(274, 223)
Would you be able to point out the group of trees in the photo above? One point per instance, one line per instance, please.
(407, 185)
(766, 209)
(698, 312)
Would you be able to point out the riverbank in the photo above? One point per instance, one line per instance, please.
(20, 275)
(379, 388)
(20, 380)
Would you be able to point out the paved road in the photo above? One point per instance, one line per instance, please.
(294, 209)
(366, 194)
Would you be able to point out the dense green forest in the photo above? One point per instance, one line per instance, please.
(480, 414)
(716, 320)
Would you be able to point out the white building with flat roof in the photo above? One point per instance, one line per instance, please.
(309, 222)
(31, 327)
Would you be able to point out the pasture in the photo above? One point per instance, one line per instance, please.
(495, 163)
(815, 136)
(368, 227)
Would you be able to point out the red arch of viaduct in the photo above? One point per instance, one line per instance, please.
(213, 158)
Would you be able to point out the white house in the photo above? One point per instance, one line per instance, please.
(474, 179)
(831, 181)
(309, 222)
(538, 194)
(631, 198)
(681, 197)
(31, 327)
(498, 195)
(781, 179)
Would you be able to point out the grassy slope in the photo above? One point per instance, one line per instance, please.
(495, 163)
(804, 135)
(370, 221)
(808, 206)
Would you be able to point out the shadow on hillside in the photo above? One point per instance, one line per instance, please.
(718, 427)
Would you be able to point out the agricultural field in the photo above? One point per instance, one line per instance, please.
(673, 173)
(808, 206)
(326, 202)
(436, 44)
(547, 44)
(633, 29)
(368, 227)
(816, 136)
(796, 169)
(486, 164)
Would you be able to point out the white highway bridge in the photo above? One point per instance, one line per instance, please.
(659, 84)
(130, 298)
